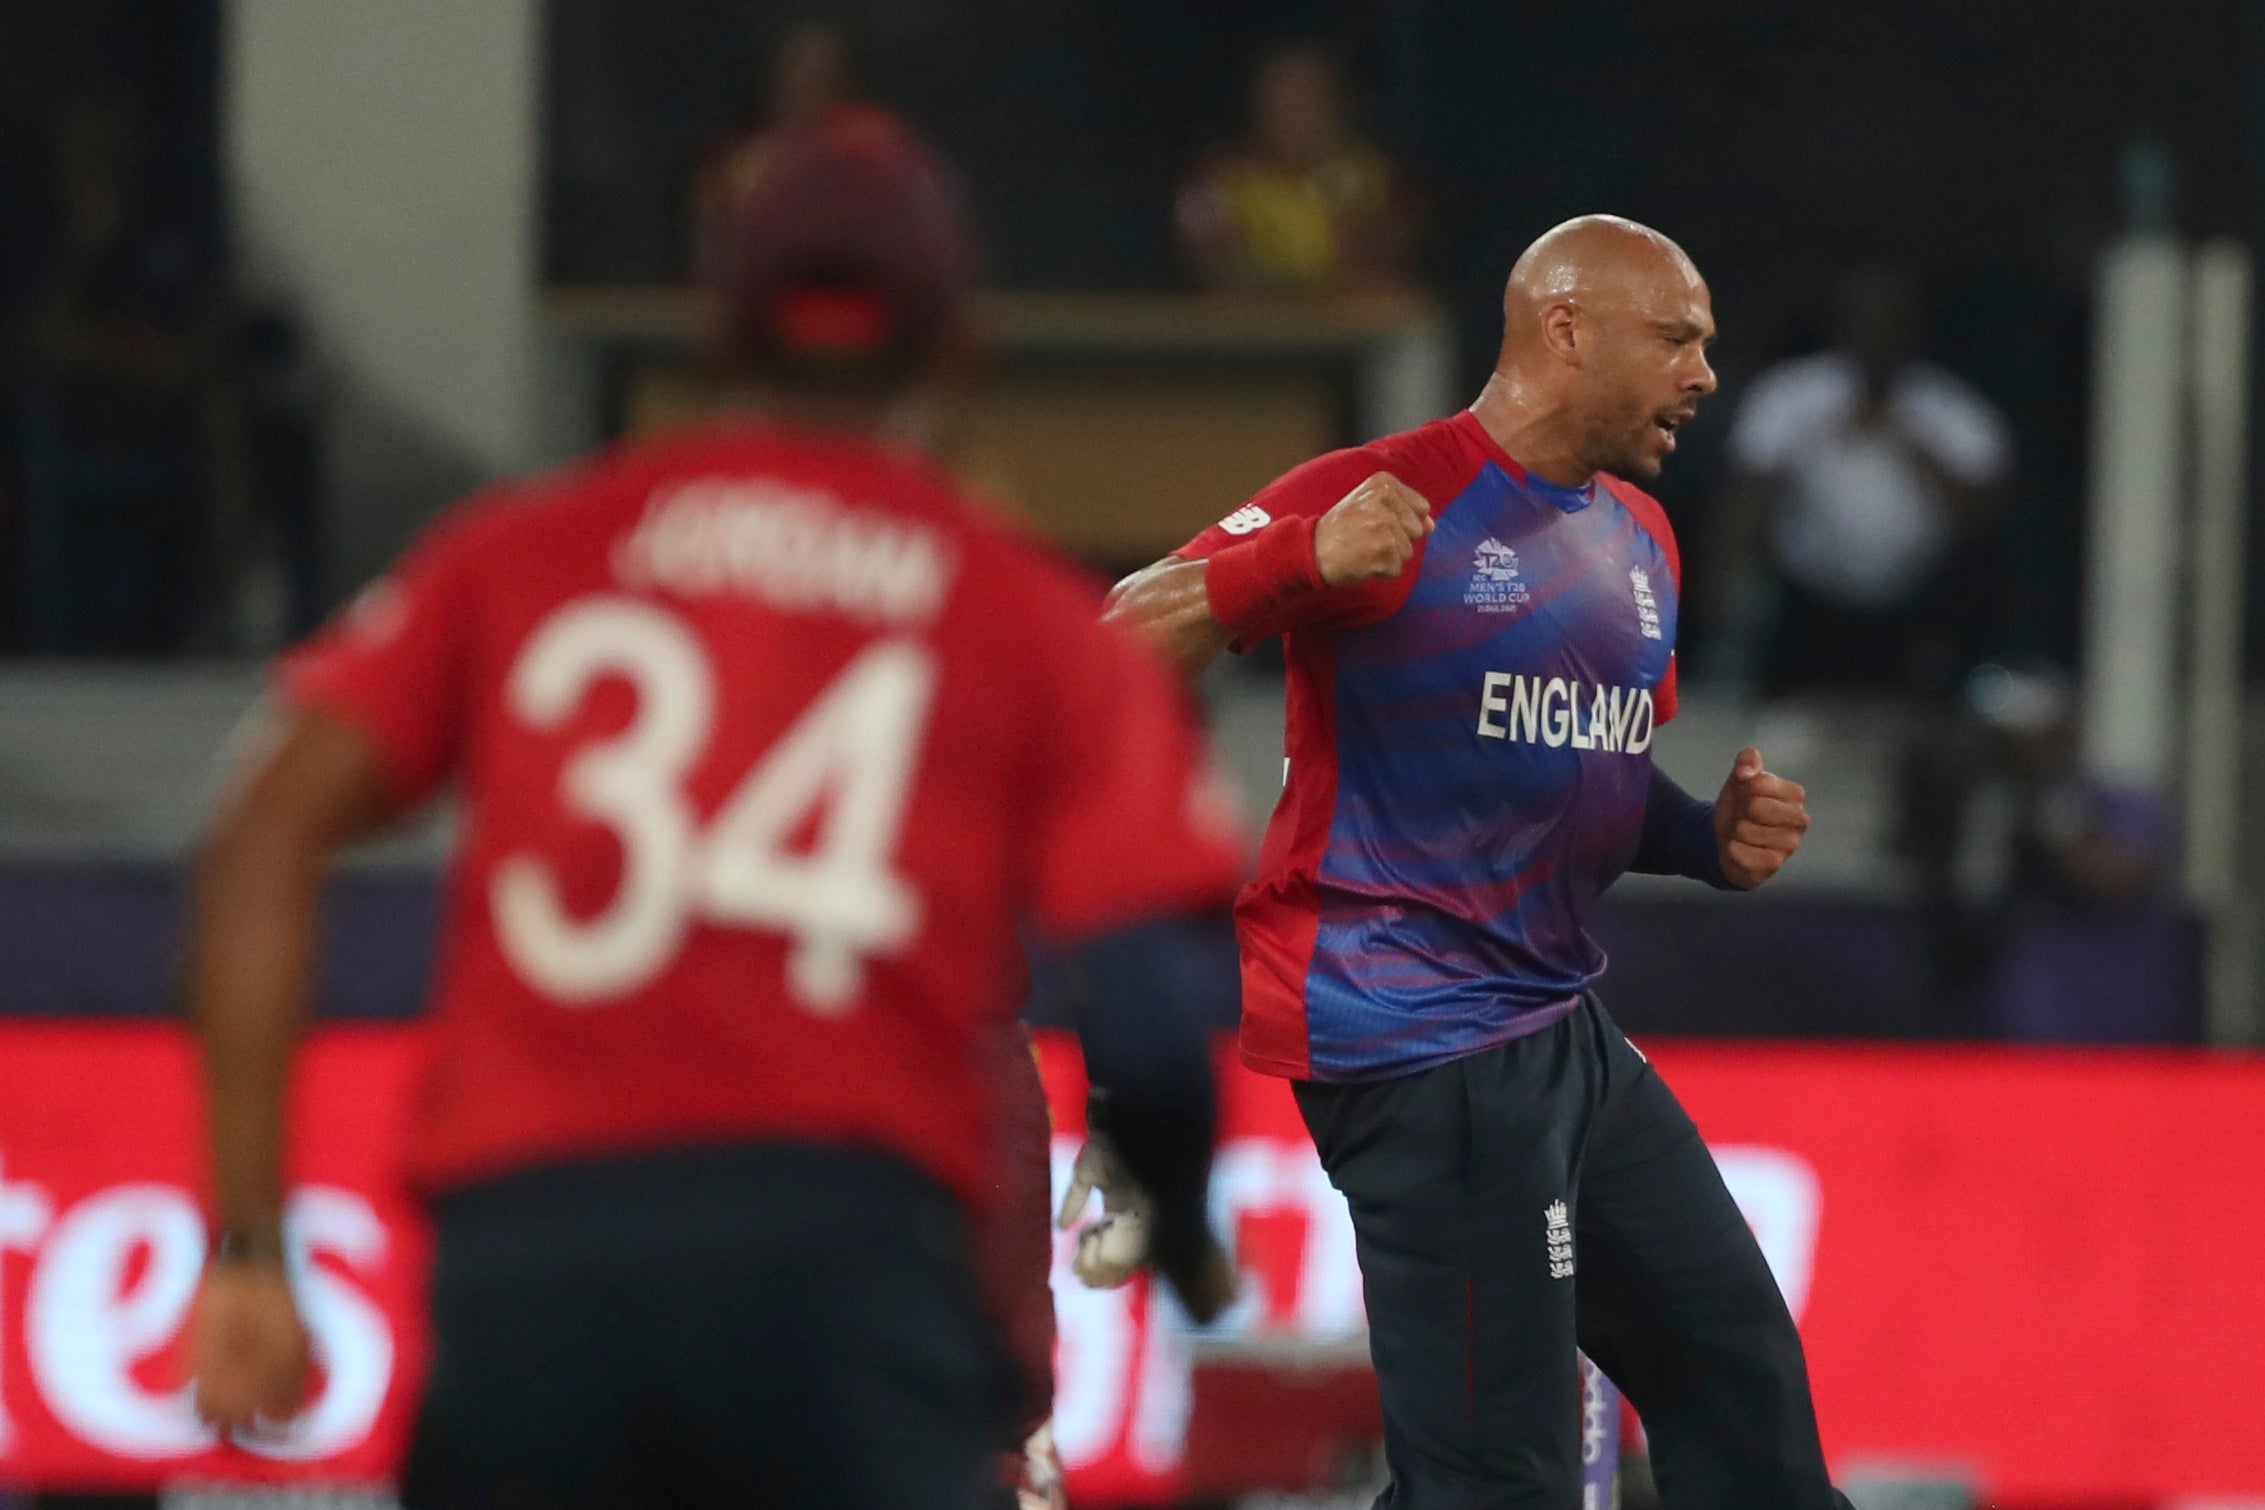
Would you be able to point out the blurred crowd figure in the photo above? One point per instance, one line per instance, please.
(1861, 510)
(2051, 891)
(159, 435)
(118, 404)
(1303, 202)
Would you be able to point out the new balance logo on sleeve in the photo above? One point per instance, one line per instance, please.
(1246, 520)
(1557, 1229)
(1559, 713)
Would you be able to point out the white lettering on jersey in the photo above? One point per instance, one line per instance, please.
(1559, 713)
(1495, 586)
(847, 759)
(799, 549)
(1246, 520)
(1556, 711)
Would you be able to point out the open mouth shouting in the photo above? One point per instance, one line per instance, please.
(1667, 422)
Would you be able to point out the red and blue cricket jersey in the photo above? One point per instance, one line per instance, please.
(771, 743)
(1468, 764)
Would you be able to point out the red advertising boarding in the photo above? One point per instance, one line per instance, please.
(2042, 1269)
(102, 1237)
(2035, 1270)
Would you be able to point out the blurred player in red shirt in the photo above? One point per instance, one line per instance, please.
(768, 743)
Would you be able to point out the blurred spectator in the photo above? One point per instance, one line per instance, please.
(2080, 936)
(815, 83)
(120, 408)
(1867, 480)
(2093, 946)
(1304, 202)
(267, 565)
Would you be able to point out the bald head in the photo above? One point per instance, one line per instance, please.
(1593, 262)
(1605, 325)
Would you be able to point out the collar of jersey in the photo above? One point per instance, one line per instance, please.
(1566, 500)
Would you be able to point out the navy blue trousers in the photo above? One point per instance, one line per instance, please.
(762, 1326)
(1546, 1195)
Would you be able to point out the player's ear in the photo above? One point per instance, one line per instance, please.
(1563, 332)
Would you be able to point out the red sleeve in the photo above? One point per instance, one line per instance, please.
(1667, 697)
(1305, 493)
(392, 662)
(1653, 518)
(1135, 820)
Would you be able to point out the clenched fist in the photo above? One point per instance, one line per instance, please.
(1371, 532)
(249, 1346)
(1758, 821)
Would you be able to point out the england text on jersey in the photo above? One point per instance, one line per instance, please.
(1469, 746)
(1565, 714)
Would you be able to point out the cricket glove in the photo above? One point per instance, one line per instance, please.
(1109, 1251)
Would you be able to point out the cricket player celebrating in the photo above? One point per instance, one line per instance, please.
(1479, 619)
